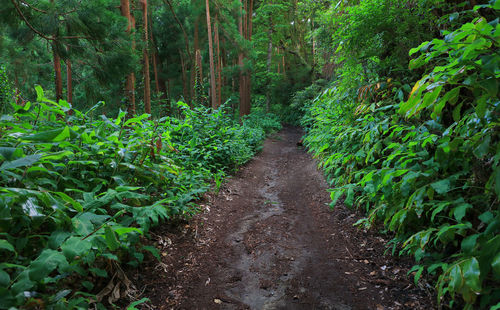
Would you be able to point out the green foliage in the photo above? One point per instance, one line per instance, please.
(79, 192)
(427, 167)
(6, 92)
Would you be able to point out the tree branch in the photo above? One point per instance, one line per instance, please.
(16, 5)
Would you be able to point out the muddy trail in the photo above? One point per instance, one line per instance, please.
(269, 241)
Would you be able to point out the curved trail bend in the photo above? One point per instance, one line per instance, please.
(269, 241)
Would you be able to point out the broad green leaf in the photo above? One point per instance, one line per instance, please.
(75, 204)
(442, 187)
(4, 278)
(39, 93)
(459, 211)
(21, 162)
(111, 239)
(44, 136)
(471, 274)
(5, 245)
(7, 152)
(57, 156)
(482, 149)
(496, 265)
(47, 262)
(469, 243)
(75, 246)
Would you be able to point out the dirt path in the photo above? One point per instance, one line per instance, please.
(269, 241)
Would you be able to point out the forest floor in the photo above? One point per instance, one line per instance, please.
(268, 240)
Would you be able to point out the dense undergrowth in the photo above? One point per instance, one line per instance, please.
(422, 157)
(79, 192)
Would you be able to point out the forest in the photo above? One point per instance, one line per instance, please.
(117, 117)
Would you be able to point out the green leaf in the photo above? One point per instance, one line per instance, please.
(136, 303)
(7, 152)
(153, 251)
(496, 265)
(75, 204)
(21, 162)
(75, 246)
(482, 149)
(5, 245)
(459, 211)
(4, 278)
(111, 239)
(442, 187)
(47, 262)
(63, 135)
(469, 243)
(39, 93)
(471, 274)
(44, 136)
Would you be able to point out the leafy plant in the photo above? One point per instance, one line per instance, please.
(78, 194)
(426, 167)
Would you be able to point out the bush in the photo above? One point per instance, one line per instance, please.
(78, 194)
(428, 167)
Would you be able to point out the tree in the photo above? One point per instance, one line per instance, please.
(130, 81)
(213, 93)
(147, 81)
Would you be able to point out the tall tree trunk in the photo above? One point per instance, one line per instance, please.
(58, 77)
(130, 81)
(249, 74)
(219, 64)
(154, 57)
(269, 60)
(69, 81)
(240, 64)
(213, 92)
(147, 80)
(194, 69)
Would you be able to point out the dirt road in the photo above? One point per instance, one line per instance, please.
(269, 241)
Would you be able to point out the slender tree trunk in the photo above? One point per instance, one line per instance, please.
(240, 64)
(147, 80)
(130, 81)
(194, 69)
(58, 76)
(269, 60)
(213, 92)
(249, 74)
(154, 56)
(219, 65)
(69, 81)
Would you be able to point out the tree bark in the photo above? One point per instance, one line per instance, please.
(240, 64)
(147, 80)
(213, 92)
(58, 77)
(154, 57)
(130, 81)
(219, 63)
(269, 61)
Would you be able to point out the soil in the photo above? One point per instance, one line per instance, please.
(268, 240)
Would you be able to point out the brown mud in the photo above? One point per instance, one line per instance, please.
(269, 240)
